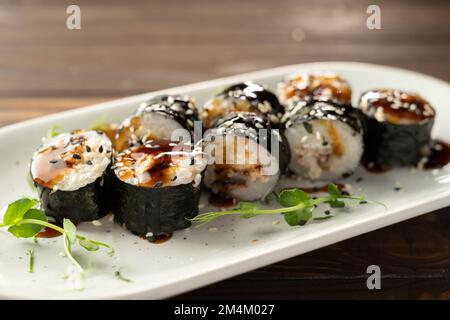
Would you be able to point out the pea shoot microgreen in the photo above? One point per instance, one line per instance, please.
(53, 131)
(24, 220)
(297, 206)
(119, 276)
(30, 254)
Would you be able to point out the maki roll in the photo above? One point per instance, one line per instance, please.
(70, 173)
(398, 127)
(157, 187)
(242, 97)
(156, 119)
(317, 86)
(326, 139)
(246, 156)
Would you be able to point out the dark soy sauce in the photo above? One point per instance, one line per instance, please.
(440, 155)
(221, 201)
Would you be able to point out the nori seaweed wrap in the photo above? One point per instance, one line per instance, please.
(398, 128)
(157, 187)
(70, 174)
(242, 97)
(157, 119)
(248, 156)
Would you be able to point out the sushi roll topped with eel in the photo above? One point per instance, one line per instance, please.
(247, 156)
(69, 172)
(317, 86)
(242, 97)
(326, 139)
(157, 187)
(156, 119)
(398, 127)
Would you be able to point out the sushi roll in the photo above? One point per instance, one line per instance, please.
(242, 97)
(70, 173)
(398, 127)
(317, 86)
(156, 119)
(246, 157)
(157, 187)
(326, 139)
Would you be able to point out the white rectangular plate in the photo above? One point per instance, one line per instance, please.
(196, 257)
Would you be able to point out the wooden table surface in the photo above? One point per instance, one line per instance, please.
(125, 48)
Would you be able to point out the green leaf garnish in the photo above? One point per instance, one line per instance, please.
(89, 245)
(70, 230)
(16, 210)
(297, 206)
(291, 197)
(119, 276)
(53, 131)
(23, 220)
(28, 230)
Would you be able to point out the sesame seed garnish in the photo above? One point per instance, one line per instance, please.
(100, 149)
(89, 163)
(76, 156)
(158, 184)
(53, 161)
(88, 149)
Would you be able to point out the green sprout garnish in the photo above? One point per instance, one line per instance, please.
(297, 206)
(53, 131)
(30, 254)
(24, 220)
(119, 276)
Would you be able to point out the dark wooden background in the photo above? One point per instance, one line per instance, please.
(130, 47)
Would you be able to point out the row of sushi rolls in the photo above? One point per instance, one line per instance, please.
(138, 171)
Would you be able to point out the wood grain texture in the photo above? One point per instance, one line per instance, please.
(130, 47)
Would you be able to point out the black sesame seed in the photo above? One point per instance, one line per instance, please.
(100, 132)
(100, 149)
(363, 202)
(324, 143)
(174, 178)
(89, 163)
(397, 188)
(345, 193)
(53, 161)
(54, 148)
(359, 179)
(192, 161)
(76, 156)
(327, 212)
(346, 175)
(302, 222)
(88, 149)
(158, 184)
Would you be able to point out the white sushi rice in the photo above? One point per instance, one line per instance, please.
(146, 126)
(87, 170)
(254, 179)
(186, 167)
(329, 151)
